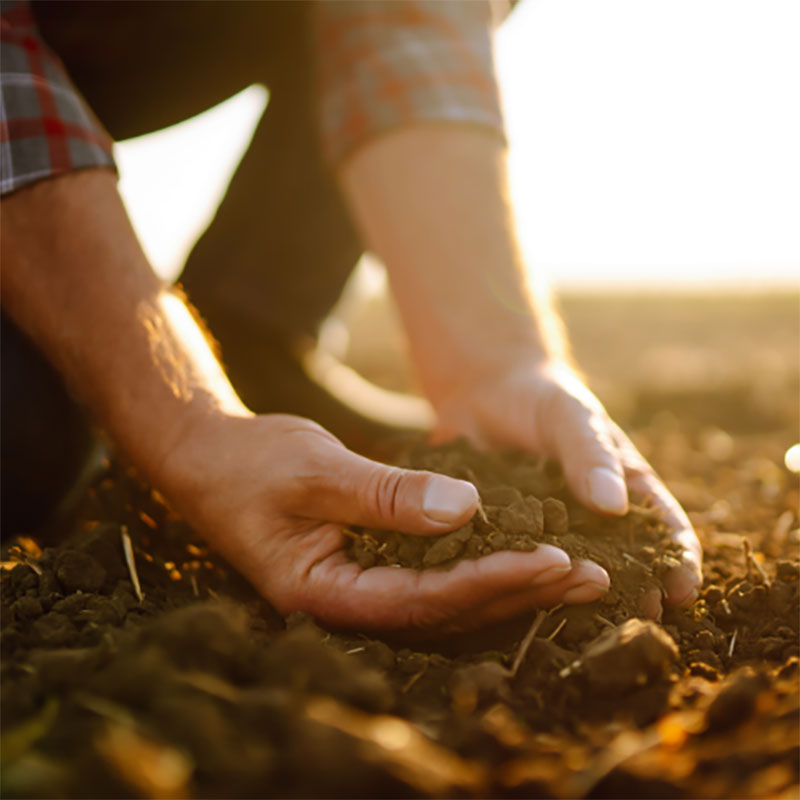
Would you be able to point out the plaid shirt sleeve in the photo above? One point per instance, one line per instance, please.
(385, 64)
(46, 128)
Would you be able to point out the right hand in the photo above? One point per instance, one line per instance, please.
(272, 494)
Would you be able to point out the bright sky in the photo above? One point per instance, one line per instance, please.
(653, 143)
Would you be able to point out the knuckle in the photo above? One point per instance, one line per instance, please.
(381, 492)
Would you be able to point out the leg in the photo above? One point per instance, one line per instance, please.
(46, 441)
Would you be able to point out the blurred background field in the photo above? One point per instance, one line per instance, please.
(724, 357)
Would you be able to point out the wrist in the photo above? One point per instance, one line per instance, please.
(177, 466)
(483, 366)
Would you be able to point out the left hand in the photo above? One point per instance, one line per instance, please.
(544, 407)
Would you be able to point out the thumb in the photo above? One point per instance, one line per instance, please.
(358, 491)
(590, 461)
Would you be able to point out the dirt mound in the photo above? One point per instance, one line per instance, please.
(174, 679)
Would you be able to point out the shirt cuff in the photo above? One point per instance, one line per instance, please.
(384, 65)
(46, 128)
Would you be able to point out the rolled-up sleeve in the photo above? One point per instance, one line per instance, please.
(46, 128)
(384, 65)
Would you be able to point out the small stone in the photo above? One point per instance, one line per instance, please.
(79, 571)
(556, 519)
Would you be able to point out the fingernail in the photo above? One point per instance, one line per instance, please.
(592, 573)
(689, 599)
(682, 583)
(584, 593)
(650, 605)
(447, 499)
(608, 491)
(551, 575)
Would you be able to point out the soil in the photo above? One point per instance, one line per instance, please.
(190, 685)
(524, 502)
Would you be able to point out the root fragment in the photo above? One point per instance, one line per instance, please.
(751, 561)
(130, 560)
(557, 630)
(526, 642)
(604, 621)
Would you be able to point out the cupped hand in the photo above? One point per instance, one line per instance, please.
(273, 493)
(544, 407)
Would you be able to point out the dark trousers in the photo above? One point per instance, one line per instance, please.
(275, 257)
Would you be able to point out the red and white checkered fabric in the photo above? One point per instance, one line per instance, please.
(384, 65)
(45, 127)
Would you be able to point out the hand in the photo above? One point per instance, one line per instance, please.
(546, 408)
(272, 493)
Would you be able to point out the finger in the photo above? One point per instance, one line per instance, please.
(340, 593)
(354, 490)
(589, 458)
(650, 604)
(585, 583)
(682, 583)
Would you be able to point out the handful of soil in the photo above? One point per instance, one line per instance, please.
(524, 502)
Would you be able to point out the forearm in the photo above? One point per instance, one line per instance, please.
(76, 281)
(433, 204)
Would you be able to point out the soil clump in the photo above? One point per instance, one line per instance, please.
(197, 688)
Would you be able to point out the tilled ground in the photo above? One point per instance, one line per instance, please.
(197, 688)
